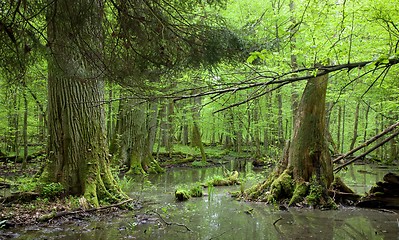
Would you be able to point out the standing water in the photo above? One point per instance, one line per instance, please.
(218, 216)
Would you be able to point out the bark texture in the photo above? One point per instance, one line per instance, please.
(309, 154)
(77, 148)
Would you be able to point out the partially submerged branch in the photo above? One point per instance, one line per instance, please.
(368, 142)
(337, 169)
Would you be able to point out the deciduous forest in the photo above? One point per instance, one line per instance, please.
(199, 119)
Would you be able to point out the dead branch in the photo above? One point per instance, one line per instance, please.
(171, 223)
(53, 215)
(288, 77)
(337, 169)
(368, 142)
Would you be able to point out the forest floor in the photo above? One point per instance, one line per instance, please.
(28, 212)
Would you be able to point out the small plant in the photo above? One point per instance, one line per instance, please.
(196, 190)
(50, 190)
(199, 164)
(125, 183)
(26, 184)
(73, 202)
(182, 194)
(211, 190)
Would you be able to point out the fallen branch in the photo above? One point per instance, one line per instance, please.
(53, 215)
(20, 197)
(368, 142)
(170, 223)
(337, 169)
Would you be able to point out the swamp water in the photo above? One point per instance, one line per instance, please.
(218, 216)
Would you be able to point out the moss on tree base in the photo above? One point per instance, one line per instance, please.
(284, 189)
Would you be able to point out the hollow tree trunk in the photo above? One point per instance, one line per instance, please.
(77, 147)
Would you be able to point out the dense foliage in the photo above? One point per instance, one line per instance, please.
(223, 54)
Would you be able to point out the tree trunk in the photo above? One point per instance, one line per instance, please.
(25, 131)
(196, 134)
(309, 154)
(355, 126)
(305, 171)
(77, 147)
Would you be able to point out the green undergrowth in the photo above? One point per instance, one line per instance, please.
(45, 190)
(199, 164)
(218, 180)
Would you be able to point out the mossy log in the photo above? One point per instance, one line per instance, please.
(227, 181)
(184, 194)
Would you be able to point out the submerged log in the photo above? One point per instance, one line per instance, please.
(384, 194)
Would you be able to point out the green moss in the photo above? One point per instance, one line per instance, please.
(90, 194)
(224, 181)
(315, 194)
(301, 189)
(281, 188)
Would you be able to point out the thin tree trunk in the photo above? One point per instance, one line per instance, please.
(196, 135)
(343, 128)
(339, 128)
(25, 131)
(366, 123)
(355, 126)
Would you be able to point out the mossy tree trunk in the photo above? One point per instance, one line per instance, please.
(135, 135)
(77, 147)
(196, 133)
(305, 171)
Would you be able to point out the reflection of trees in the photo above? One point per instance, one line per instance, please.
(303, 225)
(341, 224)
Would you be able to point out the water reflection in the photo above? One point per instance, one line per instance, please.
(221, 217)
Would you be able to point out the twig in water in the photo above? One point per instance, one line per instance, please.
(170, 223)
(280, 218)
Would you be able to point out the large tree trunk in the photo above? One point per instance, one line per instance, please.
(309, 156)
(305, 171)
(77, 148)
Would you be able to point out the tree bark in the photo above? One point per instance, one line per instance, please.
(305, 172)
(355, 126)
(25, 131)
(309, 156)
(77, 147)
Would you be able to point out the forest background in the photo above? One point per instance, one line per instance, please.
(211, 73)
